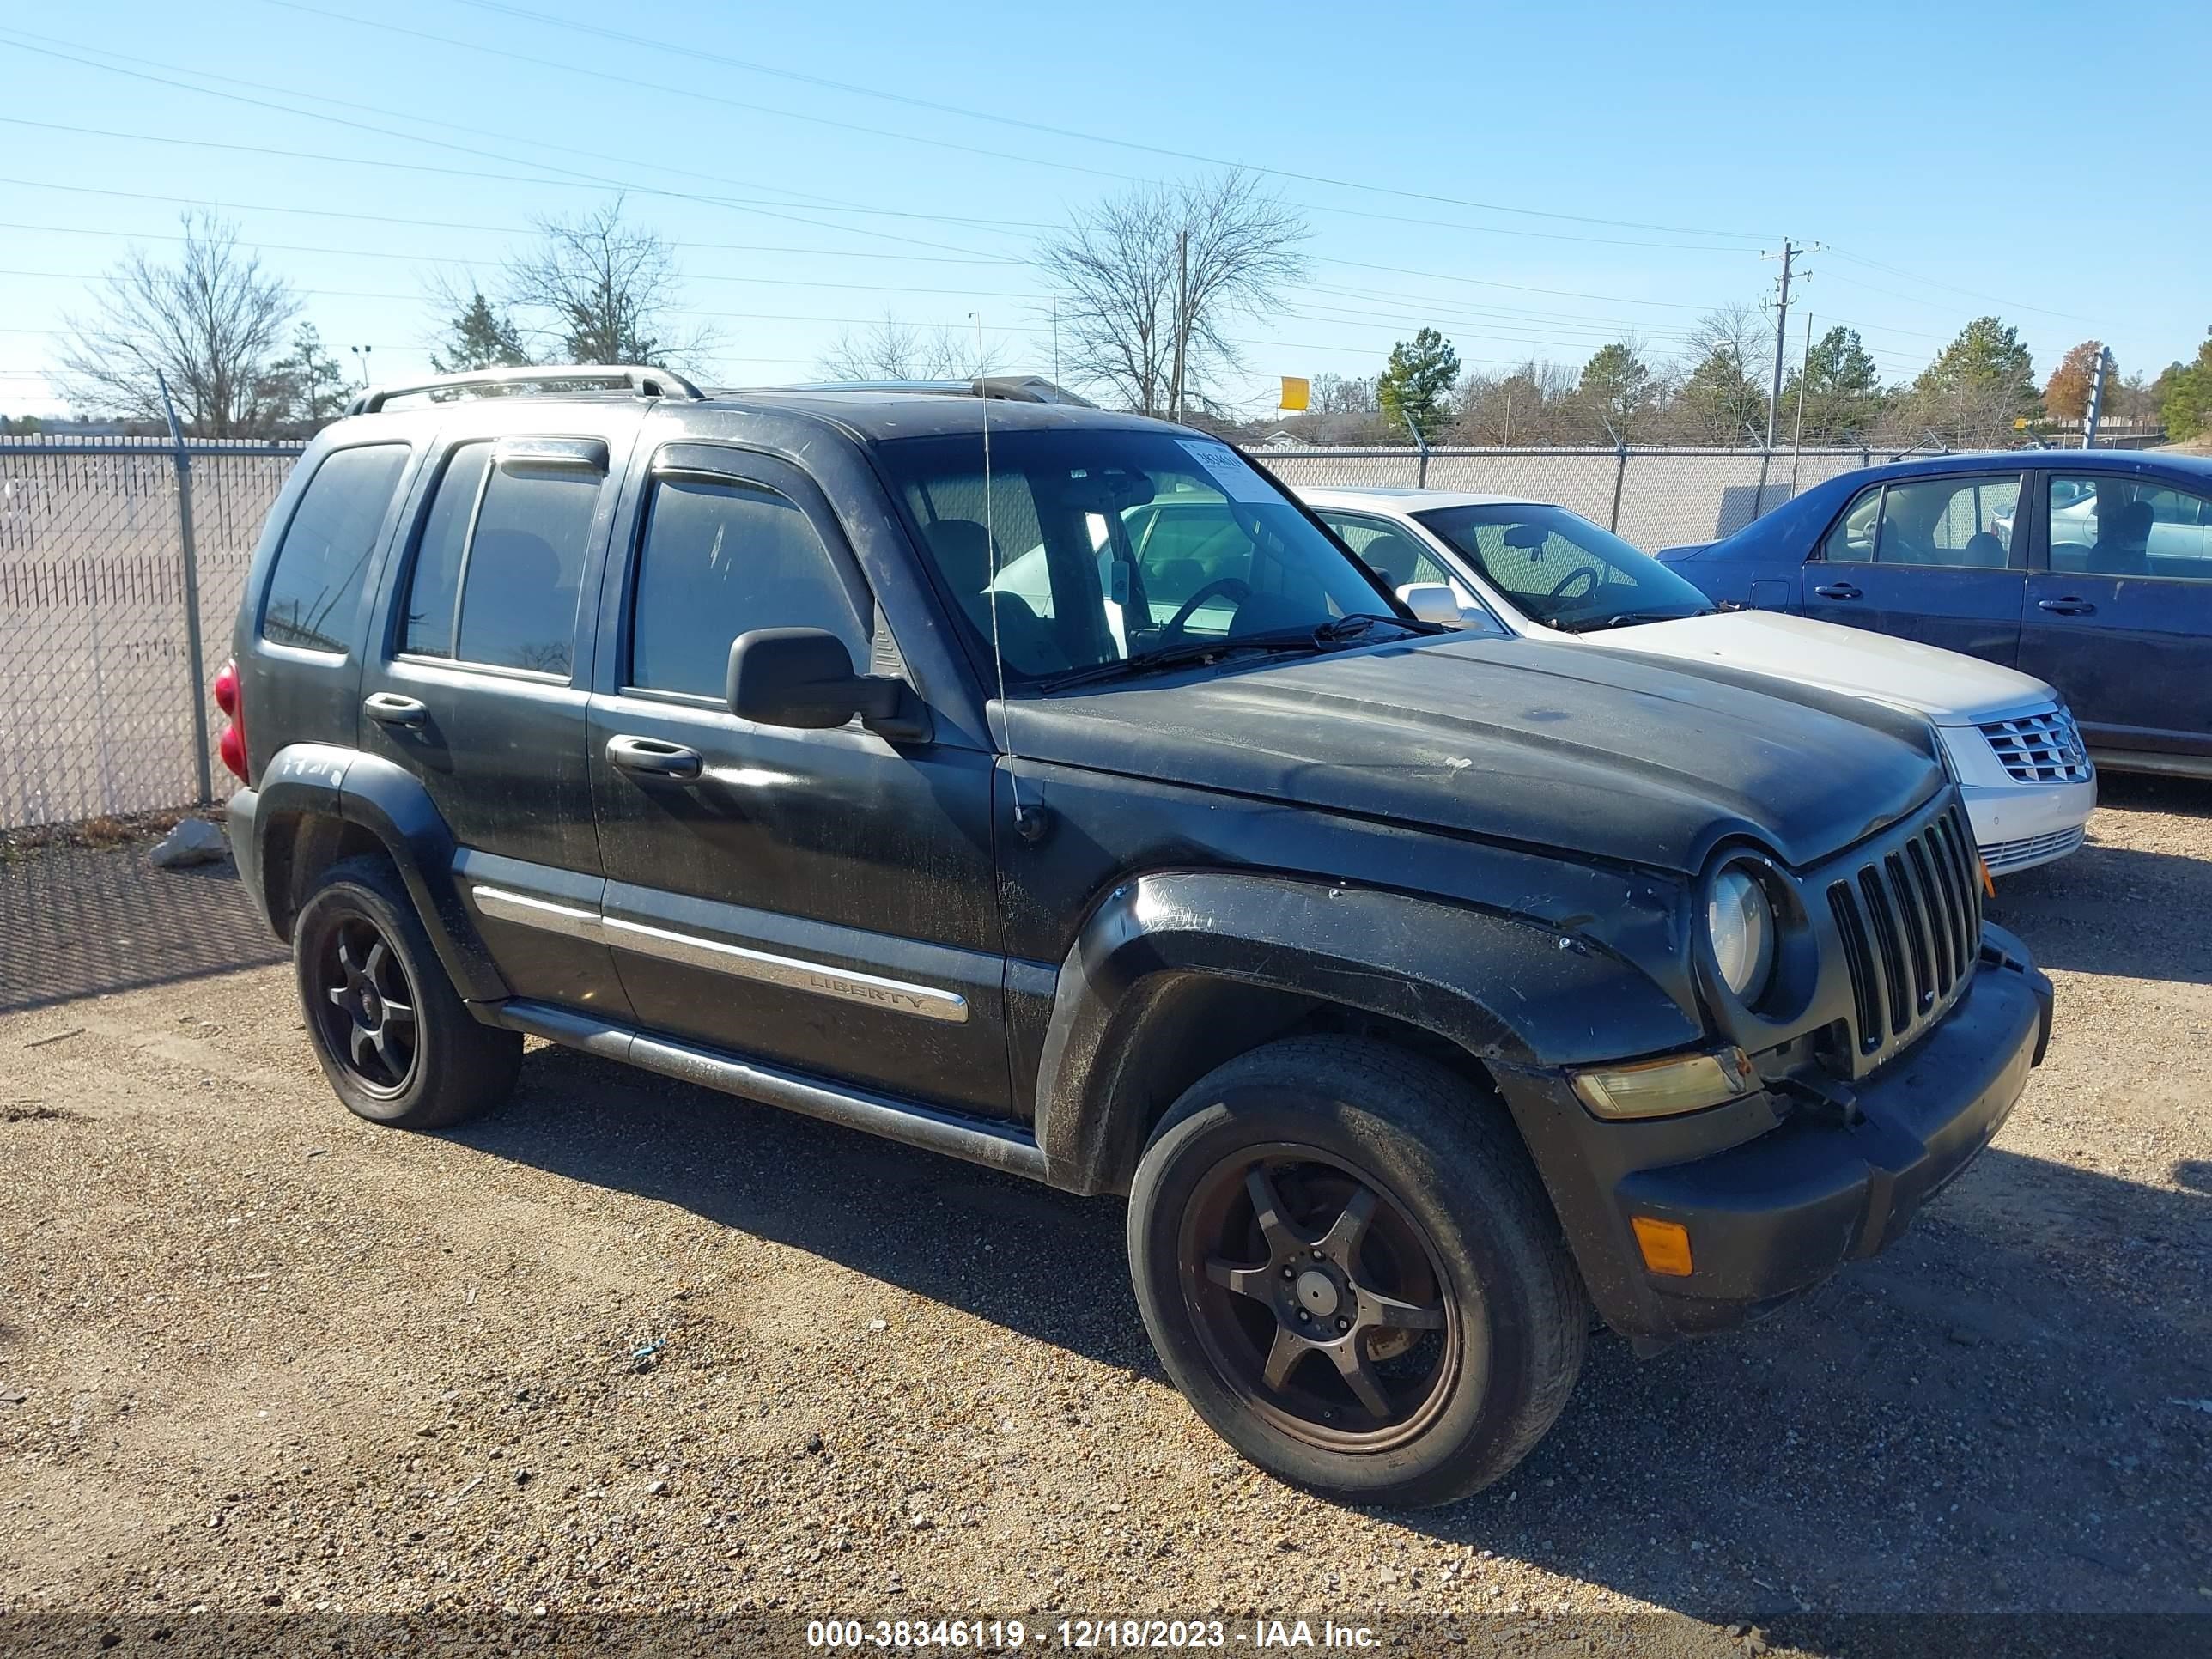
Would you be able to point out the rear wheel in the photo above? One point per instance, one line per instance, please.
(392, 1035)
(1346, 1264)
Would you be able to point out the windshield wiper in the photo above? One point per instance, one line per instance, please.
(1182, 656)
(1338, 629)
(1626, 618)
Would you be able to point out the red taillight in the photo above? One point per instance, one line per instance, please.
(231, 746)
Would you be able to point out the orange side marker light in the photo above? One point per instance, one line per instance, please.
(1665, 1244)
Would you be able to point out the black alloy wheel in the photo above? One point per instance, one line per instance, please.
(398, 1043)
(1321, 1297)
(366, 1005)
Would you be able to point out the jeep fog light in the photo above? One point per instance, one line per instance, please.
(1661, 1088)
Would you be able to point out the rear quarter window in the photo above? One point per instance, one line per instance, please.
(314, 593)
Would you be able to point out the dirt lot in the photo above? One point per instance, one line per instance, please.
(255, 1354)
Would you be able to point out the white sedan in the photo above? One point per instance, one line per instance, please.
(1541, 572)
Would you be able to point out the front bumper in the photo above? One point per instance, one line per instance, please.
(1803, 1191)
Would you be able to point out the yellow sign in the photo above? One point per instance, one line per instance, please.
(1296, 389)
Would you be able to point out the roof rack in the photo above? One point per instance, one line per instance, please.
(546, 379)
(1013, 388)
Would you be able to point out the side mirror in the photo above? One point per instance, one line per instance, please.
(804, 678)
(1430, 601)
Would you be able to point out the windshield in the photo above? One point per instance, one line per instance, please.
(1558, 568)
(1097, 545)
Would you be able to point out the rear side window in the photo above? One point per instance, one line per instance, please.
(324, 559)
(719, 561)
(433, 597)
(499, 563)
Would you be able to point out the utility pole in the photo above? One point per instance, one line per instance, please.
(2096, 411)
(1182, 322)
(1789, 253)
(1804, 373)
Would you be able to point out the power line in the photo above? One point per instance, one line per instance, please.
(321, 115)
(1489, 230)
(693, 52)
(1971, 293)
(438, 259)
(223, 206)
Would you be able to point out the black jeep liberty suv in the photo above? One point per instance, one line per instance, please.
(1047, 787)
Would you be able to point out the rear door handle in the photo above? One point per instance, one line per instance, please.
(2069, 606)
(1838, 590)
(390, 708)
(650, 757)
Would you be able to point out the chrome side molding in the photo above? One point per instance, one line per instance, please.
(739, 961)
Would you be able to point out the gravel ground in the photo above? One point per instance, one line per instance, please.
(255, 1354)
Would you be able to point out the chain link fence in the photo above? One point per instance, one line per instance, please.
(104, 656)
(104, 713)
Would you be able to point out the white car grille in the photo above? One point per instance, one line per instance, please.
(2042, 747)
(2002, 855)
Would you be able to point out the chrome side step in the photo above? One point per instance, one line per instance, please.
(1007, 1146)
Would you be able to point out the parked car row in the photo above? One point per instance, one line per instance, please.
(1048, 788)
(1536, 571)
(2091, 570)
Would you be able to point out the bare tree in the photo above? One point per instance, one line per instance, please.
(894, 350)
(599, 290)
(1150, 282)
(210, 325)
(1722, 386)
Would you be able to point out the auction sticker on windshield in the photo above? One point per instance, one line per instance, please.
(1238, 482)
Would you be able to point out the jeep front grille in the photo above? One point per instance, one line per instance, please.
(1910, 917)
(2043, 748)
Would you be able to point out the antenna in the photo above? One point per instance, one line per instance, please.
(1026, 825)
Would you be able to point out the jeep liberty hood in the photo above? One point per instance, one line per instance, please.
(1549, 746)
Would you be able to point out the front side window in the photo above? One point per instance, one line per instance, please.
(1392, 554)
(2120, 526)
(1092, 547)
(323, 562)
(1558, 568)
(500, 561)
(720, 560)
(1957, 522)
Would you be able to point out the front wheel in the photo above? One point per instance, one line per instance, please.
(1346, 1264)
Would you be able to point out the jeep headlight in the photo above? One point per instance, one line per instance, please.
(1740, 926)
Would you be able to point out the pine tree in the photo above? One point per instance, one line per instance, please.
(1417, 379)
(1620, 388)
(479, 336)
(2185, 399)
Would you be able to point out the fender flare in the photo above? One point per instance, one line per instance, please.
(391, 803)
(1512, 994)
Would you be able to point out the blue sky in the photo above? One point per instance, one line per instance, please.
(1532, 180)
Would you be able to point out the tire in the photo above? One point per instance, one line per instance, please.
(393, 1037)
(1475, 1341)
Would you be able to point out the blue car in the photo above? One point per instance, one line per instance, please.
(2089, 568)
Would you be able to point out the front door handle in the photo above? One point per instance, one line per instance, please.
(650, 757)
(1838, 590)
(2069, 606)
(390, 708)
